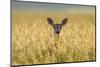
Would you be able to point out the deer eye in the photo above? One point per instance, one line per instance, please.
(54, 26)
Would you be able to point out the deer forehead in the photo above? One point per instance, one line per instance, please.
(57, 25)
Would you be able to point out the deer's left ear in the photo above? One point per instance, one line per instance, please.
(64, 21)
(50, 21)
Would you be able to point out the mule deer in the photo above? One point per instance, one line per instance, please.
(57, 28)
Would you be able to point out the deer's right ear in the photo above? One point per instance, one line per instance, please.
(64, 21)
(50, 21)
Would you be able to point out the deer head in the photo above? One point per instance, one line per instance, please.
(57, 27)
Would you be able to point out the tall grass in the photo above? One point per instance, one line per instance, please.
(33, 40)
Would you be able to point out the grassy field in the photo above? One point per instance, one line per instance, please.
(33, 40)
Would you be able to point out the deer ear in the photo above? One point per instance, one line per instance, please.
(50, 21)
(64, 21)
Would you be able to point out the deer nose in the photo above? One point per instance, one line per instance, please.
(57, 32)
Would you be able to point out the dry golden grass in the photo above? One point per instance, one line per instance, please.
(33, 40)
